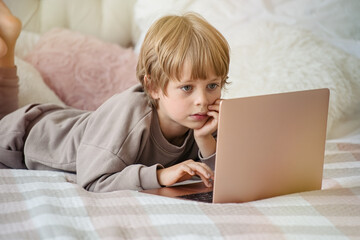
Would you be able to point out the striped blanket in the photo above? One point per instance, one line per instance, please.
(48, 205)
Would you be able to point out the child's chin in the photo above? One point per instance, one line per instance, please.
(196, 125)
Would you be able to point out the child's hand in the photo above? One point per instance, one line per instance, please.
(212, 123)
(184, 171)
(203, 136)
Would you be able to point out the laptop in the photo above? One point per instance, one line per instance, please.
(267, 146)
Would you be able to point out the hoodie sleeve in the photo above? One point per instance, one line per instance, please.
(108, 158)
(102, 171)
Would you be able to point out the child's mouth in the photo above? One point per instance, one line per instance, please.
(199, 116)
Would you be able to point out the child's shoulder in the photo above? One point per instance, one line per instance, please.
(134, 95)
(131, 101)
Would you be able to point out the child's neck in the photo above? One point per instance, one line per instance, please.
(173, 133)
(178, 141)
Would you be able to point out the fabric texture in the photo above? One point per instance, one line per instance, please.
(32, 88)
(82, 70)
(272, 58)
(49, 204)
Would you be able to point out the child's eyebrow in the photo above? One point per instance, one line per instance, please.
(192, 80)
(215, 79)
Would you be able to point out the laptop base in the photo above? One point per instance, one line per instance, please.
(180, 191)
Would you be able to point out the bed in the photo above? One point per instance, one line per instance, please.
(276, 46)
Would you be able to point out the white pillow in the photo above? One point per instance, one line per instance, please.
(26, 41)
(271, 58)
(335, 21)
(32, 88)
(220, 14)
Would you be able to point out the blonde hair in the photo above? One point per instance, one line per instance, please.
(173, 40)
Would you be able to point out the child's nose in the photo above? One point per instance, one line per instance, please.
(202, 98)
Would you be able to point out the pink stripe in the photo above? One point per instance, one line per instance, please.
(356, 156)
(350, 147)
(340, 196)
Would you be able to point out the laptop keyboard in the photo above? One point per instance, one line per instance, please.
(201, 197)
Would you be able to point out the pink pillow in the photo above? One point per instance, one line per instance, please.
(83, 70)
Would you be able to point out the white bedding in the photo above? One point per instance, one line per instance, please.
(48, 205)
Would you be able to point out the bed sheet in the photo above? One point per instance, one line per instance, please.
(43, 204)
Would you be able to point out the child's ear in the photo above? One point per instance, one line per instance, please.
(154, 93)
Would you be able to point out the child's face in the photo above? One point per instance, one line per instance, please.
(186, 103)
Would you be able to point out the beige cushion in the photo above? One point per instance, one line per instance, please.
(109, 20)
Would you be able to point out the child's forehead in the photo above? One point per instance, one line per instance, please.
(188, 73)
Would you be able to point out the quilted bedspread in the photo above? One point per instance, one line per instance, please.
(49, 205)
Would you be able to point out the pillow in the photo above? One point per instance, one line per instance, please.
(83, 70)
(222, 15)
(336, 21)
(32, 88)
(26, 41)
(271, 58)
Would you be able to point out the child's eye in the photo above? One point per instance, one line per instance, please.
(186, 88)
(212, 86)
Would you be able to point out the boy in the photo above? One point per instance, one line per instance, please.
(154, 134)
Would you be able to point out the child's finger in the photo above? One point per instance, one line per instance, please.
(202, 169)
(205, 180)
(186, 168)
(213, 114)
(214, 107)
(209, 170)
